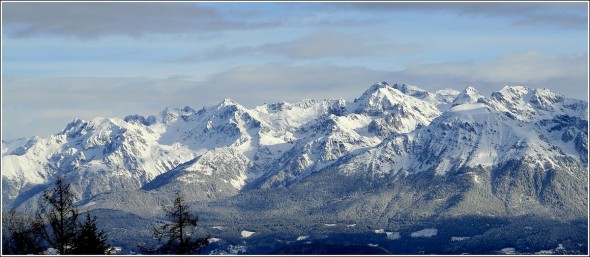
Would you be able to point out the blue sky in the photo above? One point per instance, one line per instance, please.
(62, 61)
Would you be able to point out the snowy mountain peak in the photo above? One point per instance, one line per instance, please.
(375, 87)
(514, 90)
(75, 124)
(188, 109)
(469, 95)
(80, 127)
(169, 115)
(228, 102)
(471, 90)
(510, 94)
(379, 98)
(397, 111)
(141, 119)
(381, 83)
(545, 99)
(527, 104)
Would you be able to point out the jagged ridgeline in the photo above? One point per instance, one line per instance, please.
(397, 170)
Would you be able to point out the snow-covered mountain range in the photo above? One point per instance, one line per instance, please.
(225, 148)
(521, 150)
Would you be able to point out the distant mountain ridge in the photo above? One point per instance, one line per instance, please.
(397, 151)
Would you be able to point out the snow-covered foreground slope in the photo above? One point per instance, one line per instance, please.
(519, 144)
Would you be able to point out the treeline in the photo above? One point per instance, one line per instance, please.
(56, 225)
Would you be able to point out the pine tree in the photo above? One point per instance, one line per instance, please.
(57, 217)
(89, 240)
(181, 240)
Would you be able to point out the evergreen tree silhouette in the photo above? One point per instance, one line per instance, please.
(179, 231)
(89, 240)
(57, 218)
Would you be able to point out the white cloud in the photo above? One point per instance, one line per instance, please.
(563, 15)
(98, 19)
(315, 45)
(323, 44)
(533, 67)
